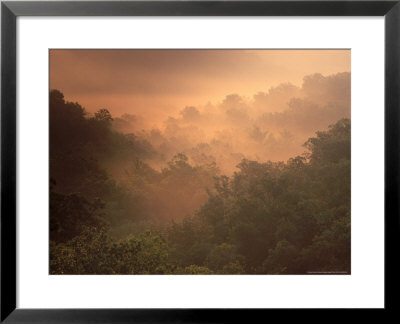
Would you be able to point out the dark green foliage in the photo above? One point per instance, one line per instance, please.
(70, 214)
(331, 146)
(79, 144)
(93, 252)
(194, 269)
(280, 259)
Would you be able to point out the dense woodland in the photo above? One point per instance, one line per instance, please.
(113, 212)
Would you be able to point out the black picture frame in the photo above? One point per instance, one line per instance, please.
(10, 10)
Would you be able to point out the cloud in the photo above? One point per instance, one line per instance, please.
(156, 83)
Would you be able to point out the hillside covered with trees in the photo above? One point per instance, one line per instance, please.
(113, 211)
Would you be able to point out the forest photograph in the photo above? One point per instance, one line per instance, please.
(199, 162)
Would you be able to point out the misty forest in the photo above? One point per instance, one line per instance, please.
(247, 185)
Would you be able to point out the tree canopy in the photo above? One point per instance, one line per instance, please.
(267, 217)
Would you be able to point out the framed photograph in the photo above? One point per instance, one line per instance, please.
(197, 161)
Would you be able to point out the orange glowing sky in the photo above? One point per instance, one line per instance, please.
(157, 83)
